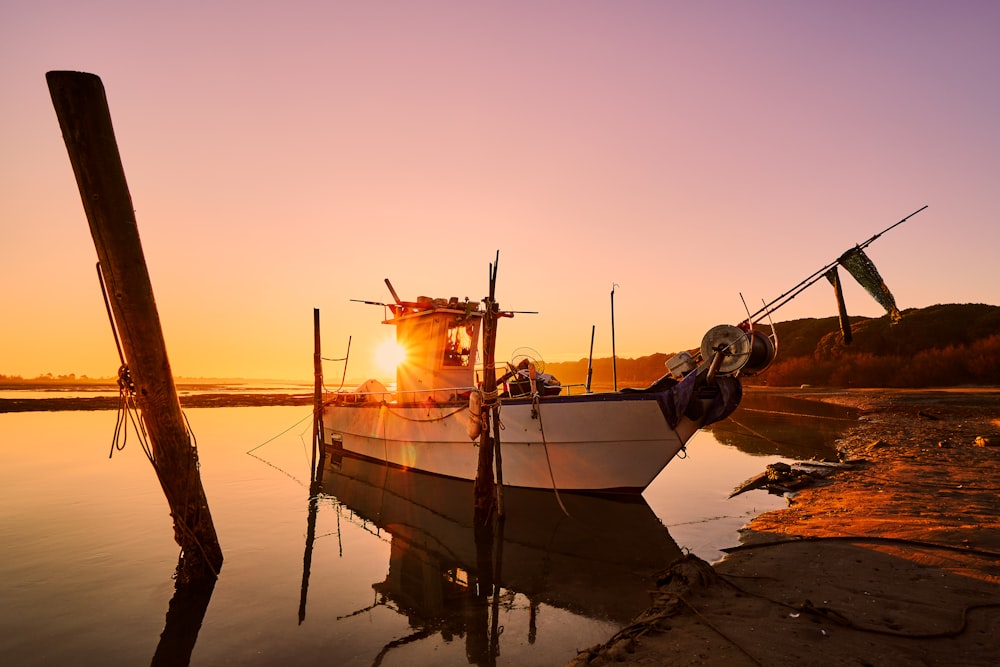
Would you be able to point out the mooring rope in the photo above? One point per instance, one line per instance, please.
(800, 414)
(756, 433)
(491, 399)
(429, 420)
(536, 407)
(128, 411)
(828, 613)
(275, 437)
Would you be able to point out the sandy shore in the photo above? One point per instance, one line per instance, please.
(895, 561)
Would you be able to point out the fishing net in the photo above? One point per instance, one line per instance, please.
(858, 265)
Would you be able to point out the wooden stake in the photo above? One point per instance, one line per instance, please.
(85, 119)
(485, 488)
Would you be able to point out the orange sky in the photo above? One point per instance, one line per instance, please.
(286, 156)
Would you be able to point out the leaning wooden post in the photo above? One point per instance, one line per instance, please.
(85, 119)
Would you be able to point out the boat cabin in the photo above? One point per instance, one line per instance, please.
(441, 340)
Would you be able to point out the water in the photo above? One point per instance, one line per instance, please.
(380, 570)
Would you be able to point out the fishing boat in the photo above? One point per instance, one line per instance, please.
(553, 436)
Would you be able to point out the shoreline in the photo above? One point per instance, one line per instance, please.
(895, 561)
(213, 400)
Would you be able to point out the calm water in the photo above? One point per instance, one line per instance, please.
(380, 570)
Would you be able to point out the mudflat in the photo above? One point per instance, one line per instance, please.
(892, 561)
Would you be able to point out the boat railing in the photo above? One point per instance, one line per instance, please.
(450, 394)
(453, 394)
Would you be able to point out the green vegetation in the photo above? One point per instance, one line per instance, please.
(939, 346)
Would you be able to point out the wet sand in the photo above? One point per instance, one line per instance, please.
(893, 562)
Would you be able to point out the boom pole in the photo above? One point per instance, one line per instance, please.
(781, 300)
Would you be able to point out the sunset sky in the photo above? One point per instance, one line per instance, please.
(286, 156)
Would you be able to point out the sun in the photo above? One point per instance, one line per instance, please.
(389, 354)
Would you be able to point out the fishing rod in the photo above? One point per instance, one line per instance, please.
(770, 307)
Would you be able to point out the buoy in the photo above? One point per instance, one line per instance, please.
(475, 425)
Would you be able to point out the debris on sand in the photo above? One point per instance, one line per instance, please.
(784, 478)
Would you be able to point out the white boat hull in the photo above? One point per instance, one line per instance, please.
(596, 442)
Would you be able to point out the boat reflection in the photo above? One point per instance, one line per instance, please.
(767, 424)
(599, 560)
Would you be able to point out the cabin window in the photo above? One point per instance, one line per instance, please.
(458, 344)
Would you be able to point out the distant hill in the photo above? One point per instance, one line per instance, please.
(937, 346)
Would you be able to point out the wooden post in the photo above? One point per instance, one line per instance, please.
(485, 489)
(85, 119)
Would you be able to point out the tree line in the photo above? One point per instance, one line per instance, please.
(938, 346)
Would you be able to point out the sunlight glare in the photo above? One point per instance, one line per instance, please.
(389, 354)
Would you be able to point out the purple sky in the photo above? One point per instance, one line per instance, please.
(286, 156)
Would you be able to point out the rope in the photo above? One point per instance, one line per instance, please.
(434, 419)
(491, 400)
(799, 414)
(719, 632)
(536, 408)
(251, 451)
(756, 434)
(129, 411)
(273, 438)
(865, 538)
(841, 619)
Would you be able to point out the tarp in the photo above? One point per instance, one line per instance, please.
(858, 265)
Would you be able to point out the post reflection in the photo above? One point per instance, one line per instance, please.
(185, 614)
(315, 489)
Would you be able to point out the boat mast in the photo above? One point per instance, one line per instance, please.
(614, 356)
(590, 359)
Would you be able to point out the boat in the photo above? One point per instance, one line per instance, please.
(552, 436)
(566, 438)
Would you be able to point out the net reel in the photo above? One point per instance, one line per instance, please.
(729, 350)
